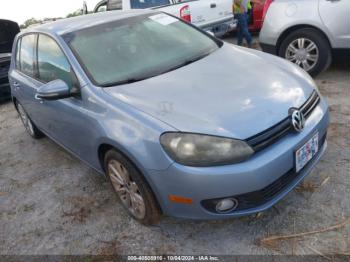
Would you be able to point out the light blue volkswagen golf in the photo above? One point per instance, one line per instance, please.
(181, 123)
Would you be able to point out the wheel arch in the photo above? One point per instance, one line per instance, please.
(294, 28)
(106, 146)
(101, 152)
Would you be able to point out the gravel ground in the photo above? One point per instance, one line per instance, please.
(51, 203)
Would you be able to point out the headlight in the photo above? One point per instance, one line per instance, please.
(204, 150)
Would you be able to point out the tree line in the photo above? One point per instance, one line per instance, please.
(33, 21)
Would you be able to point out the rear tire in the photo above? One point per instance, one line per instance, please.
(30, 127)
(310, 48)
(132, 189)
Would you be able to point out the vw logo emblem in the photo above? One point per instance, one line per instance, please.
(298, 120)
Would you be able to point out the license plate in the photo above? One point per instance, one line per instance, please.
(304, 154)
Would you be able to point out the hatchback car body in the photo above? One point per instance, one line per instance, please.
(169, 114)
(307, 32)
(8, 31)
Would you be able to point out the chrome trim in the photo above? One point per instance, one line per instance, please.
(272, 134)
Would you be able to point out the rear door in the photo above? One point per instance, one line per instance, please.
(23, 77)
(256, 16)
(335, 15)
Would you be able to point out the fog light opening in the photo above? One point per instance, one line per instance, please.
(226, 205)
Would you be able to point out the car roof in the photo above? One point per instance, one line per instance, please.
(67, 25)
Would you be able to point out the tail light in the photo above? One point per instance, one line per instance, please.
(266, 7)
(185, 13)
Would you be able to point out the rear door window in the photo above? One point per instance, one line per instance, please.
(27, 55)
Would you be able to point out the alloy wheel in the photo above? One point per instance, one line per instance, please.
(303, 52)
(127, 189)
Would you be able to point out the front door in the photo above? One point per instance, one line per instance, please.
(65, 120)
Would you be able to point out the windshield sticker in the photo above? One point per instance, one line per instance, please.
(163, 19)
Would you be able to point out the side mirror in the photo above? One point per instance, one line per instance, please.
(54, 90)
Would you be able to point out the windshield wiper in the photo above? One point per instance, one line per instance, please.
(125, 81)
(137, 79)
(187, 62)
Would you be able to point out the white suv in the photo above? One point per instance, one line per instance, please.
(307, 32)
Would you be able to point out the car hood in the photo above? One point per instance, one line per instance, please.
(8, 31)
(233, 92)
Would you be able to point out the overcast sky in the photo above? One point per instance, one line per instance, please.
(21, 10)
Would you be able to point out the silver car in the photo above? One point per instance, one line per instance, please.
(308, 33)
(167, 112)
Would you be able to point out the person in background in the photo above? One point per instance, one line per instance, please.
(249, 12)
(240, 9)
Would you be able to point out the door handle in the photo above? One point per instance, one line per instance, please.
(333, 1)
(15, 84)
(212, 5)
(38, 98)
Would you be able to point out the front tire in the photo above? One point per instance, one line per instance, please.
(133, 191)
(307, 48)
(30, 127)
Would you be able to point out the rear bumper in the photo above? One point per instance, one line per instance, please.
(258, 173)
(220, 28)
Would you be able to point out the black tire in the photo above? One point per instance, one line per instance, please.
(324, 49)
(152, 212)
(30, 127)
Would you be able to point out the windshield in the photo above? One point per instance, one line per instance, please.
(137, 48)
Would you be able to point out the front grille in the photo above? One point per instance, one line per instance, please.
(310, 104)
(260, 197)
(271, 135)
